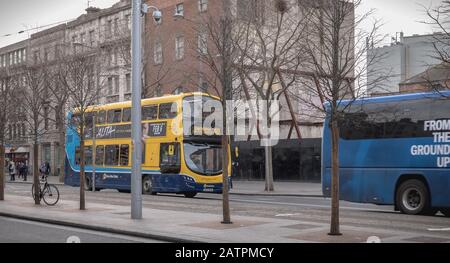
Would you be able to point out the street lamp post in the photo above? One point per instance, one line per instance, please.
(138, 10)
(136, 131)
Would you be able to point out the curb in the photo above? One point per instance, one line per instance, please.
(287, 195)
(100, 229)
(30, 182)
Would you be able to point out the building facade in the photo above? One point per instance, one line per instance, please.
(405, 58)
(104, 32)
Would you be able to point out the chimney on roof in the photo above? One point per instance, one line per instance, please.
(92, 10)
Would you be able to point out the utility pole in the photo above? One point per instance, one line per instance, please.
(136, 120)
(94, 150)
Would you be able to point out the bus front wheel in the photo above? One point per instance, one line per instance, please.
(190, 194)
(412, 198)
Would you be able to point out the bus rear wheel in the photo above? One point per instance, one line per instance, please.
(412, 198)
(190, 194)
(147, 186)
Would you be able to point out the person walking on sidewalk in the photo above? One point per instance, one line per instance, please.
(12, 171)
(20, 170)
(25, 171)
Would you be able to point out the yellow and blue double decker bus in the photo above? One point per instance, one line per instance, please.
(174, 161)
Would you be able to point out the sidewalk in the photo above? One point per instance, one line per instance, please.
(244, 187)
(281, 189)
(178, 226)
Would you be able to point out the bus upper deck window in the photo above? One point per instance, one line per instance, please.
(149, 113)
(114, 116)
(126, 117)
(101, 118)
(168, 111)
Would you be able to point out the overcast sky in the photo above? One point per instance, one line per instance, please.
(17, 15)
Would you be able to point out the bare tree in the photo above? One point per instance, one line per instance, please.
(83, 92)
(217, 36)
(34, 98)
(439, 17)
(58, 87)
(270, 67)
(336, 55)
(5, 103)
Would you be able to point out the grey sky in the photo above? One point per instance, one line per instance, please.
(17, 15)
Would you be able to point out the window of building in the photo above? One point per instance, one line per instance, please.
(202, 43)
(167, 111)
(46, 54)
(116, 25)
(158, 90)
(36, 56)
(158, 53)
(179, 9)
(204, 87)
(150, 113)
(110, 86)
(83, 38)
(112, 155)
(128, 22)
(202, 5)
(92, 38)
(251, 10)
(116, 85)
(178, 90)
(179, 47)
(128, 83)
(109, 28)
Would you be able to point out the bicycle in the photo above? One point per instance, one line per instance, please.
(49, 193)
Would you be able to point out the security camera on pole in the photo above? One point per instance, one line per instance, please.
(139, 10)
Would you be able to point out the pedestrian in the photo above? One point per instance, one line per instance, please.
(20, 170)
(12, 171)
(25, 171)
(47, 169)
(42, 170)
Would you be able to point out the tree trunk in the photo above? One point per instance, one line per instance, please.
(334, 228)
(225, 189)
(268, 167)
(268, 154)
(36, 181)
(2, 172)
(62, 154)
(82, 175)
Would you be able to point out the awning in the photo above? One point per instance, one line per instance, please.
(17, 150)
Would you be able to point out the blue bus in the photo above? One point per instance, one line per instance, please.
(394, 150)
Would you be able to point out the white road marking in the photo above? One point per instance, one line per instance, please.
(439, 229)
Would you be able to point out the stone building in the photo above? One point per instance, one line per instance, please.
(105, 32)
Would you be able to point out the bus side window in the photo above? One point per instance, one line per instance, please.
(124, 154)
(88, 155)
(168, 111)
(112, 155)
(77, 156)
(170, 158)
(114, 116)
(150, 113)
(101, 119)
(126, 117)
(100, 155)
